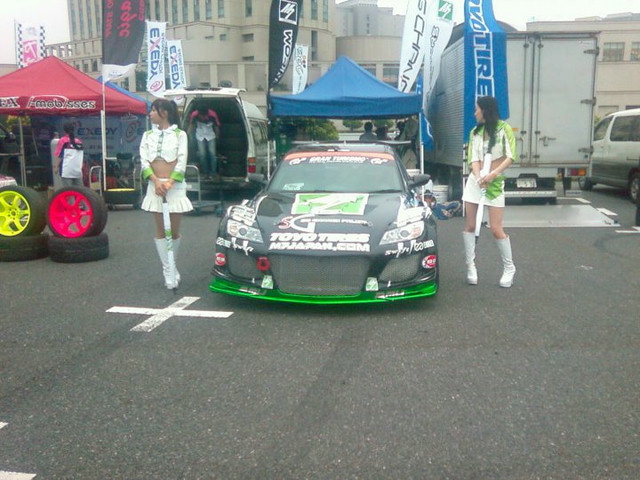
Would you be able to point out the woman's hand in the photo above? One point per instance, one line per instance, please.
(487, 179)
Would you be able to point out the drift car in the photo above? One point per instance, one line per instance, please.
(335, 224)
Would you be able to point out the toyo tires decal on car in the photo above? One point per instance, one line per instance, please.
(24, 247)
(75, 212)
(79, 250)
(22, 211)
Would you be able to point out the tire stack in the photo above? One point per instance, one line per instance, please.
(76, 217)
(22, 220)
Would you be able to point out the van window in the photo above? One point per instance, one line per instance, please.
(259, 131)
(601, 129)
(621, 130)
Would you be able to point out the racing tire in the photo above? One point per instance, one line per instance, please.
(634, 187)
(76, 212)
(79, 250)
(24, 247)
(22, 211)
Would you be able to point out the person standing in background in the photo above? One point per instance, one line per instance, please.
(204, 124)
(70, 157)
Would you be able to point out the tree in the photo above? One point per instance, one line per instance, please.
(352, 124)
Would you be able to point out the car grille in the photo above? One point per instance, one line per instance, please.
(401, 269)
(241, 265)
(304, 275)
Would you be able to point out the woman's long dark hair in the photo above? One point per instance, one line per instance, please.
(169, 106)
(489, 107)
(70, 129)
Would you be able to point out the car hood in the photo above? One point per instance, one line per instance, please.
(369, 214)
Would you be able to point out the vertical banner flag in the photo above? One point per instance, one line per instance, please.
(177, 76)
(300, 68)
(156, 41)
(283, 31)
(413, 44)
(122, 35)
(439, 28)
(485, 60)
(30, 44)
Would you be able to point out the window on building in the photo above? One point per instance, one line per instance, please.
(248, 8)
(325, 10)
(369, 67)
(314, 9)
(635, 52)
(220, 8)
(208, 9)
(613, 52)
(166, 10)
(174, 11)
(141, 80)
(223, 37)
(390, 72)
(250, 58)
(90, 22)
(247, 37)
(94, 65)
(157, 7)
(314, 45)
(98, 11)
(196, 10)
(185, 11)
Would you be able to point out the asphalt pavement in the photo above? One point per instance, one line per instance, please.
(539, 381)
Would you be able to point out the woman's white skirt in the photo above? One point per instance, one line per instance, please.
(473, 194)
(176, 198)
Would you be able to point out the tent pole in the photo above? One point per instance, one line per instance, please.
(23, 160)
(103, 129)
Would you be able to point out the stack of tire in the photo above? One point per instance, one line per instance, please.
(22, 220)
(76, 217)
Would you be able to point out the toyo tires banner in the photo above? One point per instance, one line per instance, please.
(283, 31)
(485, 60)
(122, 35)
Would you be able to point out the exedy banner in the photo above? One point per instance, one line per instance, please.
(283, 31)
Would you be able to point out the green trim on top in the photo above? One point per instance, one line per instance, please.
(147, 172)
(177, 176)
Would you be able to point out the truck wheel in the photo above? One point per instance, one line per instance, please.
(79, 250)
(76, 212)
(22, 211)
(24, 247)
(634, 187)
(585, 184)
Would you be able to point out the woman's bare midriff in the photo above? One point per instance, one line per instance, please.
(161, 168)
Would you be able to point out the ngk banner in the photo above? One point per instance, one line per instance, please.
(122, 35)
(300, 68)
(283, 31)
(30, 44)
(485, 60)
(413, 44)
(439, 28)
(156, 41)
(177, 77)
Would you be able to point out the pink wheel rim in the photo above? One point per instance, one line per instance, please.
(70, 214)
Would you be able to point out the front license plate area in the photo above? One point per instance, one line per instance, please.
(526, 183)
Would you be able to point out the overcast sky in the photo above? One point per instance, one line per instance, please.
(53, 15)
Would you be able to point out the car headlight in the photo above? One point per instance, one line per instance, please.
(401, 234)
(244, 232)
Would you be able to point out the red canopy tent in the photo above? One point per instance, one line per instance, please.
(52, 87)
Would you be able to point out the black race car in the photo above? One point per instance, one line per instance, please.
(335, 224)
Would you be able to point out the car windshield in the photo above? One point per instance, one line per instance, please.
(337, 172)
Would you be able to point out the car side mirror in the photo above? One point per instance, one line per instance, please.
(419, 180)
(258, 178)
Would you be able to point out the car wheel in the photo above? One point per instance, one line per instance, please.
(634, 187)
(79, 250)
(22, 211)
(24, 247)
(76, 212)
(585, 183)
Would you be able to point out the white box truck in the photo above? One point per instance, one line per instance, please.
(551, 78)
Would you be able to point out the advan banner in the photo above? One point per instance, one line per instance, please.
(485, 60)
(30, 44)
(439, 28)
(413, 44)
(300, 68)
(283, 31)
(122, 35)
(177, 76)
(156, 42)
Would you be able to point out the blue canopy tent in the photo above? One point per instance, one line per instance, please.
(346, 91)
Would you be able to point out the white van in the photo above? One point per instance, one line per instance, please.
(242, 146)
(615, 159)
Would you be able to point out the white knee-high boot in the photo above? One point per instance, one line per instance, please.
(176, 247)
(161, 247)
(470, 257)
(509, 269)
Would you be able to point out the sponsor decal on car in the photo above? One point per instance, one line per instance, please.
(236, 244)
(330, 203)
(307, 223)
(411, 247)
(334, 242)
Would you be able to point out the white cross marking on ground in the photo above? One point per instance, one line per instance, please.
(160, 315)
(635, 230)
(14, 475)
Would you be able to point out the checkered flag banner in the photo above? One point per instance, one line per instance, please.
(30, 44)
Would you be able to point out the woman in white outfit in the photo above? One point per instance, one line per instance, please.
(163, 157)
(493, 137)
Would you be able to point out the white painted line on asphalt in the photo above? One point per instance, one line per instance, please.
(635, 230)
(2, 424)
(578, 199)
(604, 211)
(16, 476)
(161, 315)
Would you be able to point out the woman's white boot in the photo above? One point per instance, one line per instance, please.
(509, 269)
(470, 257)
(161, 247)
